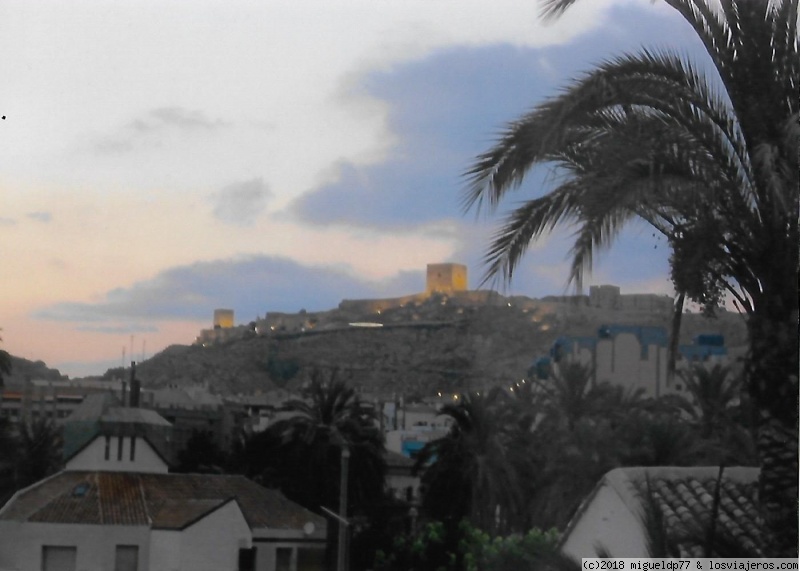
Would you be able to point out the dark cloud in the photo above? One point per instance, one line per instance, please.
(40, 216)
(446, 109)
(241, 203)
(252, 286)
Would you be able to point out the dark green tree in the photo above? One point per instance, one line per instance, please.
(201, 455)
(329, 418)
(477, 471)
(5, 364)
(312, 435)
(714, 394)
(711, 162)
(40, 443)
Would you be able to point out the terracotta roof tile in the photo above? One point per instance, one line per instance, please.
(688, 498)
(162, 500)
(178, 514)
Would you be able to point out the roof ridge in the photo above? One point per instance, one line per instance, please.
(145, 506)
(95, 477)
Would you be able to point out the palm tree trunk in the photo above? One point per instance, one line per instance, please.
(773, 385)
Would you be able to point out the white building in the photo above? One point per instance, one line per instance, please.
(637, 357)
(611, 518)
(115, 506)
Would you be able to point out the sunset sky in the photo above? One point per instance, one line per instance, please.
(160, 159)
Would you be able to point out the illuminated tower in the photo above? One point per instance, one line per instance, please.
(446, 278)
(223, 318)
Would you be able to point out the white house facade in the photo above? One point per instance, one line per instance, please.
(116, 507)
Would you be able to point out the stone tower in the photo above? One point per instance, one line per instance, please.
(446, 278)
(223, 318)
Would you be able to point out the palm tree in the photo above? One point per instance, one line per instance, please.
(477, 470)
(329, 418)
(663, 439)
(569, 394)
(40, 443)
(714, 393)
(711, 163)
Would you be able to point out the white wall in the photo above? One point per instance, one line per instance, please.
(92, 457)
(606, 522)
(21, 544)
(165, 550)
(212, 544)
(619, 361)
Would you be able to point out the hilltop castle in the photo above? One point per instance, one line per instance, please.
(445, 282)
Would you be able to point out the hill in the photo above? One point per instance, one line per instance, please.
(439, 344)
(22, 369)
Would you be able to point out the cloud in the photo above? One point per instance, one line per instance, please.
(44, 217)
(251, 285)
(7, 222)
(446, 109)
(118, 329)
(176, 117)
(241, 203)
(146, 130)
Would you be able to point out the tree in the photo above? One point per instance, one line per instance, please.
(477, 470)
(329, 419)
(201, 455)
(714, 393)
(5, 364)
(711, 163)
(40, 443)
(569, 394)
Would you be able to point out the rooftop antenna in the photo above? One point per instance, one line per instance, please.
(123, 357)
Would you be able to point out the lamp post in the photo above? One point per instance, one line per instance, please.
(342, 560)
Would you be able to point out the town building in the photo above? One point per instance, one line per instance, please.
(116, 506)
(633, 356)
(611, 518)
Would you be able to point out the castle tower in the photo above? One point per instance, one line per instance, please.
(446, 278)
(223, 318)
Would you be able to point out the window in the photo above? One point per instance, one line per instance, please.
(310, 559)
(283, 559)
(247, 559)
(119, 447)
(59, 557)
(133, 447)
(108, 448)
(126, 558)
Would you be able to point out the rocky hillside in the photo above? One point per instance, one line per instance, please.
(446, 347)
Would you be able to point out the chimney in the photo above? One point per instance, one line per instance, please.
(136, 387)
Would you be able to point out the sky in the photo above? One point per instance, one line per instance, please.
(161, 159)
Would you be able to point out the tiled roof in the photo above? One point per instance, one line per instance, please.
(125, 415)
(170, 501)
(685, 497)
(93, 407)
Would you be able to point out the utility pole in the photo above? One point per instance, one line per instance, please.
(342, 555)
